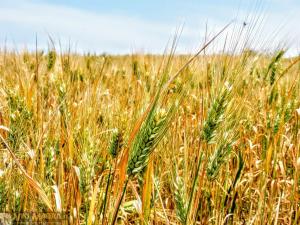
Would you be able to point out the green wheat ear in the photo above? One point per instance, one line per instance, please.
(51, 60)
(217, 159)
(274, 65)
(180, 201)
(215, 115)
(151, 133)
(116, 143)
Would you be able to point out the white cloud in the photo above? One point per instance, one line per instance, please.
(21, 20)
(91, 31)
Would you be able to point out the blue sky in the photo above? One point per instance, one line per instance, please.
(126, 26)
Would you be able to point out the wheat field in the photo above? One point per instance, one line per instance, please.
(151, 139)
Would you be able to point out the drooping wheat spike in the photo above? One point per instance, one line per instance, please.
(215, 115)
(151, 133)
(217, 159)
(116, 143)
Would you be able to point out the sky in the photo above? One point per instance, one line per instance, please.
(131, 26)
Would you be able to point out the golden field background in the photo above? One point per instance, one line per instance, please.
(230, 155)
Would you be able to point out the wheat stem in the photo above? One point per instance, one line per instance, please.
(115, 215)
